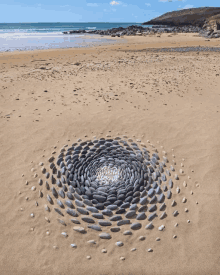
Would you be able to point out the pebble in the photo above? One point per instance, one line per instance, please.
(88, 257)
(161, 228)
(119, 244)
(127, 232)
(142, 238)
(33, 188)
(184, 184)
(47, 219)
(95, 227)
(149, 226)
(122, 258)
(32, 215)
(157, 239)
(133, 249)
(105, 236)
(176, 224)
(174, 236)
(79, 229)
(104, 251)
(91, 241)
(115, 229)
(186, 210)
(150, 250)
(136, 226)
(184, 200)
(73, 245)
(64, 234)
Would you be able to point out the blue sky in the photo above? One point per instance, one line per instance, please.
(18, 11)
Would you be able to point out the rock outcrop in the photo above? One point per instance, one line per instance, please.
(194, 17)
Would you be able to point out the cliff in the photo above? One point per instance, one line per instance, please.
(195, 17)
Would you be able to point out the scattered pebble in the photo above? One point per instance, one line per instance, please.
(91, 241)
(174, 236)
(88, 257)
(176, 224)
(33, 188)
(47, 219)
(55, 247)
(32, 215)
(191, 192)
(157, 239)
(122, 258)
(133, 249)
(41, 164)
(177, 190)
(119, 243)
(150, 250)
(188, 221)
(142, 238)
(186, 210)
(73, 245)
(161, 228)
(104, 251)
(64, 234)
(35, 175)
(184, 184)
(184, 200)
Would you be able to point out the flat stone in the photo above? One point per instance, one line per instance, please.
(105, 223)
(149, 226)
(98, 216)
(136, 226)
(94, 227)
(152, 216)
(127, 232)
(75, 221)
(130, 214)
(120, 211)
(115, 229)
(119, 223)
(107, 212)
(133, 207)
(119, 244)
(116, 218)
(99, 198)
(153, 208)
(141, 216)
(105, 236)
(87, 219)
(79, 229)
(143, 200)
(82, 211)
(72, 212)
(92, 209)
(112, 207)
(79, 203)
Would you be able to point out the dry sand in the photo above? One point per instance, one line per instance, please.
(170, 98)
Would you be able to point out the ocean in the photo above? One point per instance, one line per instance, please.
(31, 36)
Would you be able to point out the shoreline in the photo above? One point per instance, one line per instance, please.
(140, 42)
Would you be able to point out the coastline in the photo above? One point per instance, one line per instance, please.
(170, 99)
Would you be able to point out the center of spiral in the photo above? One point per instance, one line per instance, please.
(108, 174)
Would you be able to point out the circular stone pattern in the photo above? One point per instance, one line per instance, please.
(109, 183)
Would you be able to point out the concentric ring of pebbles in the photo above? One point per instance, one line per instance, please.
(104, 184)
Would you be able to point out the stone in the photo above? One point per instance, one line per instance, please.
(115, 229)
(130, 214)
(88, 220)
(149, 226)
(105, 236)
(119, 243)
(136, 226)
(143, 200)
(82, 211)
(92, 209)
(141, 216)
(104, 223)
(95, 227)
(123, 222)
(116, 218)
(142, 238)
(161, 228)
(75, 221)
(127, 232)
(79, 229)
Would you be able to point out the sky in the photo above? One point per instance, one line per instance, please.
(139, 11)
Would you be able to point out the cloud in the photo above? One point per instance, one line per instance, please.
(188, 7)
(114, 3)
(148, 4)
(92, 4)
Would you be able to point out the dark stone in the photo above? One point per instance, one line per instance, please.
(105, 223)
(116, 218)
(130, 214)
(82, 211)
(92, 209)
(94, 227)
(87, 219)
(136, 226)
(122, 222)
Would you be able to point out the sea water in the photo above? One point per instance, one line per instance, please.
(31, 36)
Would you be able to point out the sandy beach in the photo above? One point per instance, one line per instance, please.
(168, 100)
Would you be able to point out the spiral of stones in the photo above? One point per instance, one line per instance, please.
(104, 176)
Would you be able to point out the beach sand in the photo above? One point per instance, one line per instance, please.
(170, 99)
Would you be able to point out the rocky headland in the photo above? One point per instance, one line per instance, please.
(204, 21)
